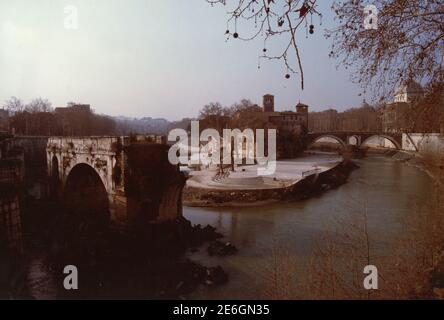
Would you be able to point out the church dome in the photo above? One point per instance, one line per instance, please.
(410, 87)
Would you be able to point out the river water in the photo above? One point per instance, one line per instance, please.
(388, 191)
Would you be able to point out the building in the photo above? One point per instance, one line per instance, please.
(395, 117)
(4, 121)
(74, 119)
(296, 120)
(290, 126)
(362, 119)
(74, 108)
(324, 121)
(400, 115)
(268, 103)
(408, 92)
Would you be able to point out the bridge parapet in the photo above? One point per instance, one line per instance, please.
(358, 138)
(93, 145)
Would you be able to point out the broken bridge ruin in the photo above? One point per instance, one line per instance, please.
(128, 180)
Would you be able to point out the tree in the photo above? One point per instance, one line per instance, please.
(214, 115)
(245, 114)
(14, 105)
(244, 105)
(273, 19)
(33, 118)
(39, 105)
(213, 109)
(426, 114)
(406, 44)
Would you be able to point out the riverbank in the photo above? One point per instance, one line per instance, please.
(143, 263)
(306, 186)
(432, 282)
(430, 163)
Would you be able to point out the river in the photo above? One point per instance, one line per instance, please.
(388, 191)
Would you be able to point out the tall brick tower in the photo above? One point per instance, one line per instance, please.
(268, 103)
(302, 109)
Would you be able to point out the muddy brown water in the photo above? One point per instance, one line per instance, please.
(389, 190)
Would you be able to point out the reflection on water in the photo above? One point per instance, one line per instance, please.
(388, 191)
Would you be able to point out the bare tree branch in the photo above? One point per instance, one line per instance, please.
(408, 43)
(273, 19)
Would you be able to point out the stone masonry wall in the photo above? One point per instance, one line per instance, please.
(10, 222)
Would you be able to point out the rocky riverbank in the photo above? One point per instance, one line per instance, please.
(307, 187)
(143, 263)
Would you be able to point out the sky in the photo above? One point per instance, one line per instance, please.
(152, 58)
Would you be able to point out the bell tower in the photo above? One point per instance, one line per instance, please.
(268, 103)
(302, 110)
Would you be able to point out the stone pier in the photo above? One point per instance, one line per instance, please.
(10, 221)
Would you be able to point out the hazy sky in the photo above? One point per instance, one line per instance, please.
(154, 58)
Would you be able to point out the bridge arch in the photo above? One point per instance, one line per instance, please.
(85, 196)
(338, 139)
(389, 138)
(67, 168)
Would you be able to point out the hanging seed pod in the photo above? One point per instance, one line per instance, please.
(311, 31)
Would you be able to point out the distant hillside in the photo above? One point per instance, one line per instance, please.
(148, 125)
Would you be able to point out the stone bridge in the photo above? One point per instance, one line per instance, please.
(127, 182)
(354, 138)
